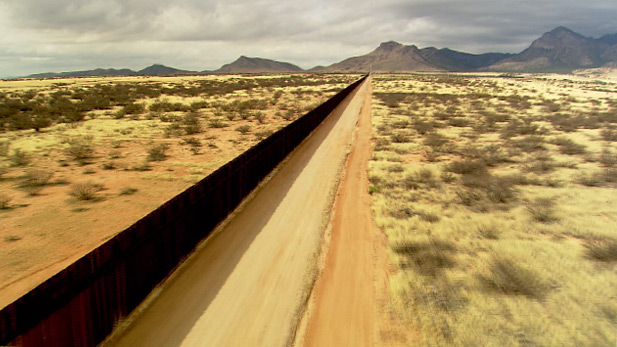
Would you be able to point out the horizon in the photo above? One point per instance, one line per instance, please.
(71, 35)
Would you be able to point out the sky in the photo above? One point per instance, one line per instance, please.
(67, 35)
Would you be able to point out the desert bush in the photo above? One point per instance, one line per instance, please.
(36, 178)
(610, 175)
(382, 144)
(423, 127)
(260, 135)
(507, 277)
(542, 210)
(80, 148)
(427, 258)
(145, 166)
(109, 165)
(447, 177)
(489, 231)
(400, 138)
(85, 191)
(4, 148)
(395, 168)
(468, 167)
(459, 122)
(436, 141)
(19, 158)
(192, 141)
(5, 201)
(602, 250)
(243, 129)
(429, 217)
(128, 191)
(609, 135)
(260, 117)
(158, 152)
(499, 190)
(593, 179)
(197, 105)
(391, 100)
(216, 123)
(569, 147)
(190, 123)
(530, 144)
(607, 158)
(165, 106)
(423, 178)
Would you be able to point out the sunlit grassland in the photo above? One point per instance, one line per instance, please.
(130, 143)
(497, 195)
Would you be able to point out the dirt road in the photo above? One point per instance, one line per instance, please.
(344, 309)
(247, 284)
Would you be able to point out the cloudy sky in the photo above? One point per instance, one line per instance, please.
(63, 35)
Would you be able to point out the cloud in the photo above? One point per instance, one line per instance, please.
(43, 35)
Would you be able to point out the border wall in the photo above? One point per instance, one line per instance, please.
(80, 305)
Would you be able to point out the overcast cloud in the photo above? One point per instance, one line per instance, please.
(63, 35)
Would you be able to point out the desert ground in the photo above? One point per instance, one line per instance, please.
(247, 285)
(74, 184)
(429, 209)
(497, 196)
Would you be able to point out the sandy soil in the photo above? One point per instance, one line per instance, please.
(246, 285)
(348, 304)
(42, 233)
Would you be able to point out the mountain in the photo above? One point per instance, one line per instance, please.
(158, 70)
(394, 57)
(610, 39)
(153, 70)
(86, 73)
(559, 50)
(257, 65)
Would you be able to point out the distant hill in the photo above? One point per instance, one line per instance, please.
(257, 65)
(86, 73)
(559, 50)
(388, 57)
(153, 70)
(158, 70)
(394, 57)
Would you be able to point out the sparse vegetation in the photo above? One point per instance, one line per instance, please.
(158, 152)
(86, 191)
(521, 180)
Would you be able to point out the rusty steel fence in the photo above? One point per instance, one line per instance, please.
(80, 305)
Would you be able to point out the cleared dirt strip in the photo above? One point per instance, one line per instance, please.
(247, 284)
(344, 310)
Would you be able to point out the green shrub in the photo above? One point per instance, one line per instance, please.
(85, 191)
(216, 123)
(128, 191)
(191, 124)
(542, 210)
(19, 158)
(80, 149)
(603, 250)
(4, 148)
(569, 147)
(158, 152)
(5, 201)
(243, 129)
(507, 277)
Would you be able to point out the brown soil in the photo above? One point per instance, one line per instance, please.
(347, 307)
(246, 284)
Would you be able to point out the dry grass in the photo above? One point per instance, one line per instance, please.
(523, 188)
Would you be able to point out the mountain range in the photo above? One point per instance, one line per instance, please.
(559, 50)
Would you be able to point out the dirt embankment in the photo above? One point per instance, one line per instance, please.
(245, 285)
